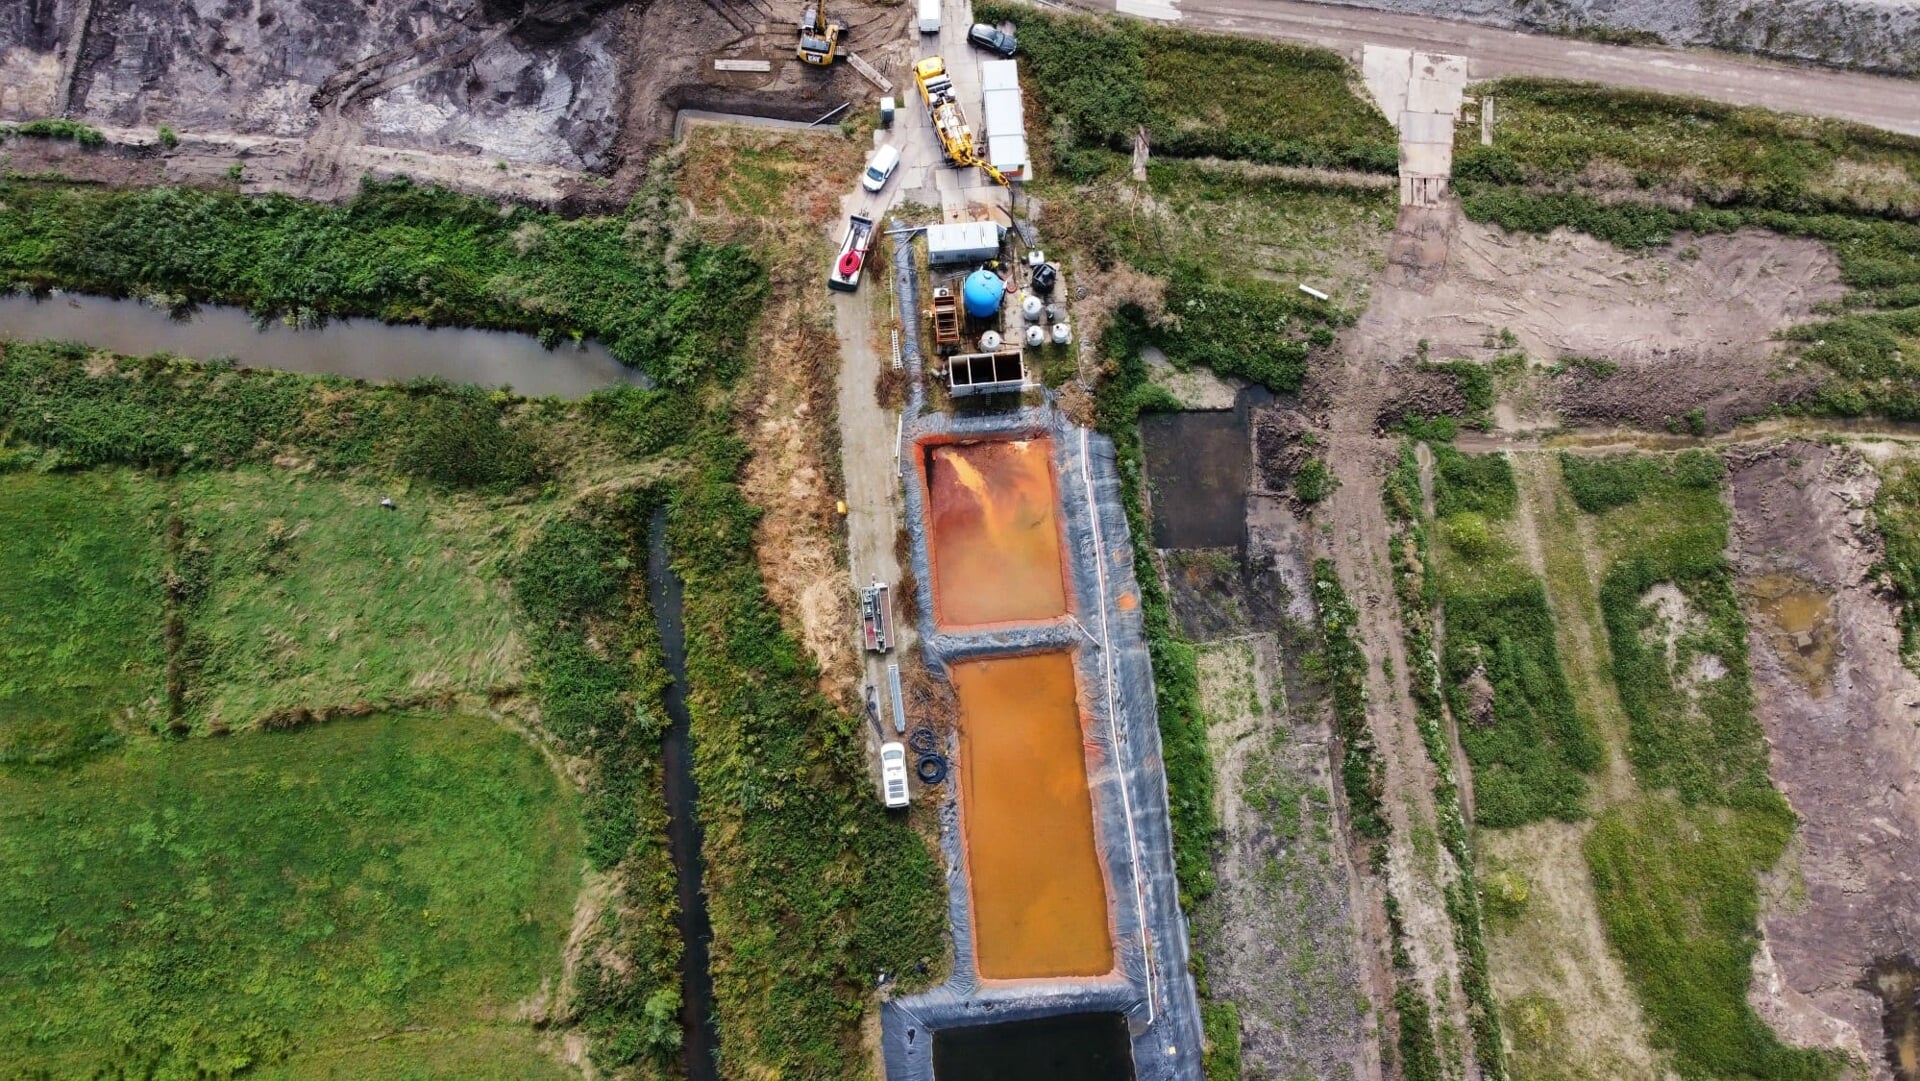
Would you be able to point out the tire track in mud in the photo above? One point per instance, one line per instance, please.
(1357, 537)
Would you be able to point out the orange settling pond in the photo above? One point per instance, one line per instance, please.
(1039, 898)
(996, 542)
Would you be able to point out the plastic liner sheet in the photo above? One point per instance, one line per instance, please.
(1105, 632)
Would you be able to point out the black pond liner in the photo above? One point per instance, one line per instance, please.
(1073, 1047)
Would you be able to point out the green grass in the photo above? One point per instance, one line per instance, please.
(1675, 868)
(1559, 133)
(81, 649)
(1677, 891)
(206, 907)
(400, 253)
(56, 128)
(1896, 516)
(1099, 80)
(1532, 752)
(308, 594)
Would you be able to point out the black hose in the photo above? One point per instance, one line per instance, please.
(932, 768)
(924, 741)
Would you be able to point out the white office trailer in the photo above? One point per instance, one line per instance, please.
(953, 243)
(1004, 118)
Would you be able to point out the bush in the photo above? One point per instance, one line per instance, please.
(1480, 483)
(1314, 481)
(463, 441)
(56, 128)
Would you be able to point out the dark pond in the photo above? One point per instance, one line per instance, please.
(1076, 1047)
(1198, 464)
(360, 348)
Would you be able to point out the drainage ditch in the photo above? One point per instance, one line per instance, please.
(700, 1037)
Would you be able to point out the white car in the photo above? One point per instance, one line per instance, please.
(893, 772)
(885, 160)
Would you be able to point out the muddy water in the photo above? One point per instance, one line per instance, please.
(1897, 981)
(1039, 899)
(700, 1037)
(1799, 623)
(360, 349)
(1077, 1047)
(995, 538)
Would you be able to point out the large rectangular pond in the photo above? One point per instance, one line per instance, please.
(995, 536)
(1076, 1047)
(1038, 895)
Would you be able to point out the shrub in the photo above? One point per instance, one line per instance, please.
(463, 441)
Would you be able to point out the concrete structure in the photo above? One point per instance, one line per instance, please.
(986, 373)
(1004, 118)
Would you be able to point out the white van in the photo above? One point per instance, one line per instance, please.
(893, 773)
(880, 168)
(929, 16)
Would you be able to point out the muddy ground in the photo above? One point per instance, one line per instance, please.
(561, 101)
(1843, 716)
(1682, 327)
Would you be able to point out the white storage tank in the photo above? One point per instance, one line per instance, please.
(1031, 307)
(1061, 334)
(1036, 336)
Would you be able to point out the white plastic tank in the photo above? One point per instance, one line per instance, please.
(1030, 307)
(1056, 313)
(989, 341)
(1062, 334)
(1036, 335)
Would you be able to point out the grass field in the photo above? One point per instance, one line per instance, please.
(80, 619)
(199, 908)
(1674, 866)
(310, 595)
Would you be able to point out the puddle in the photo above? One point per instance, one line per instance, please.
(995, 537)
(1897, 981)
(1197, 463)
(359, 349)
(1076, 1047)
(1039, 897)
(1799, 624)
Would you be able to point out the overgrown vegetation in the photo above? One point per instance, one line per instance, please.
(1102, 80)
(401, 253)
(1896, 516)
(1675, 869)
(1505, 686)
(55, 128)
(219, 908)
(1119, 400)
(1475, 488)
(1635, 168)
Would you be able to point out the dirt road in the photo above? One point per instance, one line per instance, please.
(1893, 104)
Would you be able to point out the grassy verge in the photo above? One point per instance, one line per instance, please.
(1896, 516)
(1530, 748)
(1100, 80)
(395, 252)
(1475, 487)
(1635, 168)
(814, 890)
(1674, 870)
(206, 908)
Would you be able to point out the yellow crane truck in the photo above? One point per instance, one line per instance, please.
(943, 108)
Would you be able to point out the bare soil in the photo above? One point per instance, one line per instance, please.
(1845, 745)
(562, 102)
(1682, 327)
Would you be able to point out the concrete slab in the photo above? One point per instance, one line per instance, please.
(1148, 9)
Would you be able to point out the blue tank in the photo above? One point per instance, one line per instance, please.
(983, 293)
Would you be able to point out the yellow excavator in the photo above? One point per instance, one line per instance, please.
(819, 38)
(949, 123)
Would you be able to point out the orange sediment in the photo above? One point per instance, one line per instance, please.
(995, 539)
(1038, 895)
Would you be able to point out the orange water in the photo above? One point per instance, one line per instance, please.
(996, 543)
(1039, 898)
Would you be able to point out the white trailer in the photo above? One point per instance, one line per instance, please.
(1003, 118)
(962, 242)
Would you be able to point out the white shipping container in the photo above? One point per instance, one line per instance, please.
(999, 75)
(929, 16)
(1008, 153)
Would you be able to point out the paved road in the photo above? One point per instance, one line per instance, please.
(1893, 104)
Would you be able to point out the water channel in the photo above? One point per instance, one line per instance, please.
(360, 348)
(701, 1037)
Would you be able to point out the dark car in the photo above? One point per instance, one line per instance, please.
(992, 39)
